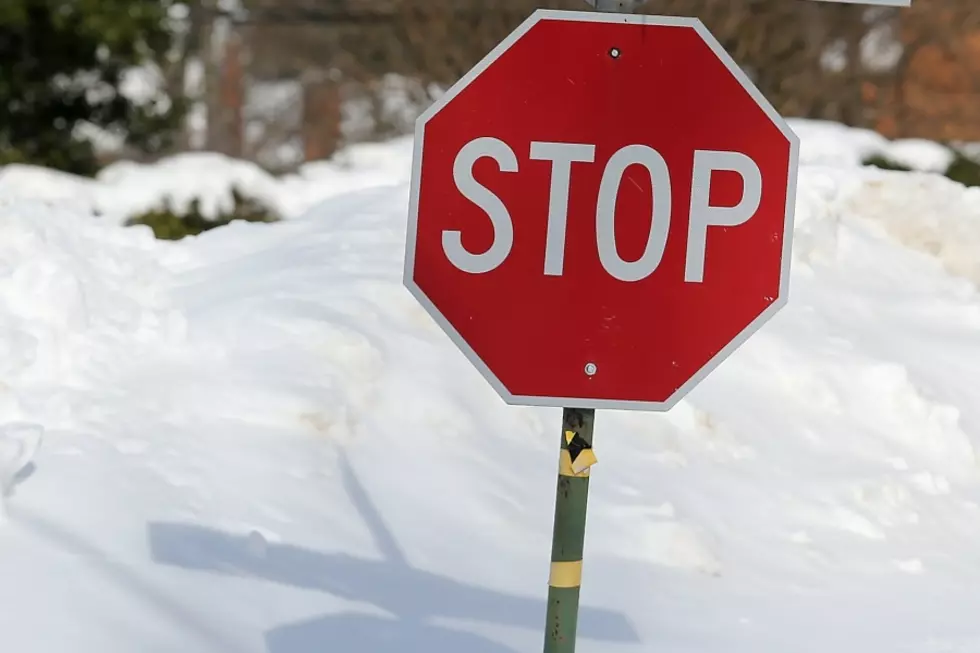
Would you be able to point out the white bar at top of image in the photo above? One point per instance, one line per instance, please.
(629, 5)
(878, 3)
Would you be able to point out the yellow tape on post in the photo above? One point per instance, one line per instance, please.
(565, 467)
(566, 574)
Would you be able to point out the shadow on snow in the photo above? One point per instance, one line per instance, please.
(413, 596)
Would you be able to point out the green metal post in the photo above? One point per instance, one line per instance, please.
(571, 502)
(568, 540)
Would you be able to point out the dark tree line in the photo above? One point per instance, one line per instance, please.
(907, 72)
(62, 63)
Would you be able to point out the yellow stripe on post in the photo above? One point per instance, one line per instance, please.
(566, 574)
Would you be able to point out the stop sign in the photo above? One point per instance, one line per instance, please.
(601, 210)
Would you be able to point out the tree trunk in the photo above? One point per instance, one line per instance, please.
(321, 117)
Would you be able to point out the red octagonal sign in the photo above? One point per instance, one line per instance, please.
(601, 210)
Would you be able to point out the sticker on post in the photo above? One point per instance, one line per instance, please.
(580, 453)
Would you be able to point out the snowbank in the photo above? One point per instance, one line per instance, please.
(834, 144)
(126, 188)
(205, 176)
(256, 441)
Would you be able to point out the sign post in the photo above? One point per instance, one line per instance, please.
(568, 538)
(601, 212)
(614, 6)
(576, 457)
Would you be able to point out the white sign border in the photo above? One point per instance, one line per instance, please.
(876, 3)
(469, 77)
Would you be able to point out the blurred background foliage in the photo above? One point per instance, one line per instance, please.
(283, 82)
(170, 223)
(63, 64)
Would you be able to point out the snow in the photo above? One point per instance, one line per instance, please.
(206, 176)
(126, 188)
(256, 441)
(831, 143)
(919, 154)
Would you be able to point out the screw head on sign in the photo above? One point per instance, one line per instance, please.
(591, 369)
(614, 53)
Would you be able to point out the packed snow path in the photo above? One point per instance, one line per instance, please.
(256, 441)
